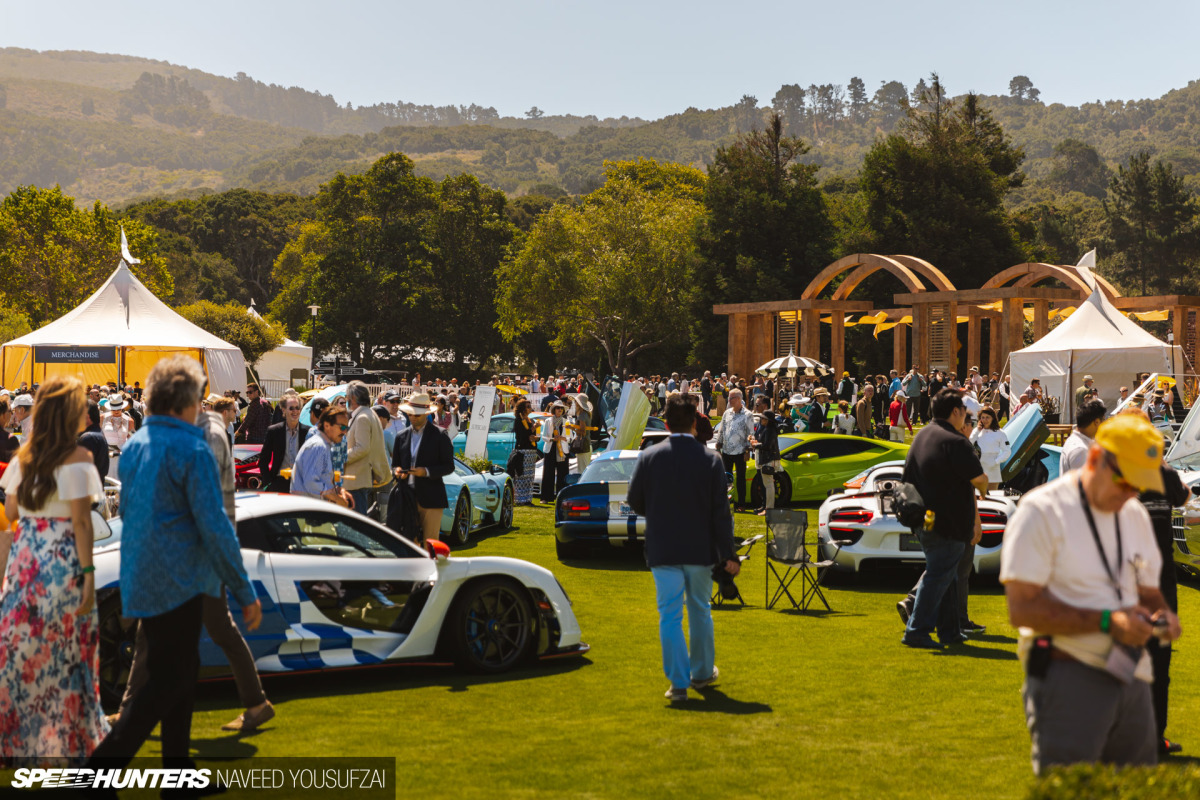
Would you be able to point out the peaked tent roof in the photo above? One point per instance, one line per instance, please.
(123, 312)
(289, 345)
(1095, 325)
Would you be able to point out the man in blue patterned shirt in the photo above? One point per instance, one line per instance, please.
(177, 546)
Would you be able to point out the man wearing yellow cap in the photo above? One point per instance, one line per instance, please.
(1080, 569)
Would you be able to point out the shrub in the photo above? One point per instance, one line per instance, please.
(1105, 782)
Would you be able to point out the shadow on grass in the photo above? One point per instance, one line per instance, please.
(993, 638)
(622, 559)
(348, 682)
(986, 653)
(717, 702)
(229, 747)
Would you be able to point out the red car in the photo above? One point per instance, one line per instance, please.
(245, 466)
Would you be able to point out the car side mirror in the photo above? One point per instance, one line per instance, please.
(100, 528)
(572, 478)
(438, 550)
(807, 457)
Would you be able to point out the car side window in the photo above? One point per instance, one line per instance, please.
(330, 534)
(501, 425)
(461, 469)
(833, 447)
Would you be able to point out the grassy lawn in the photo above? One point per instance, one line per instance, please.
(808, 704)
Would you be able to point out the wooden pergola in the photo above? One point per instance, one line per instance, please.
(761, 331)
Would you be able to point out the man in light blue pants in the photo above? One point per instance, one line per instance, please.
(679, 487)
(672, 584)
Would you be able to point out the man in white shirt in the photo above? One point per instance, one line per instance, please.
(535, 386)
(1076, 447)
(1080, 568)
(22, 408)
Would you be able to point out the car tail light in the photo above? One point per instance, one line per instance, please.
(847, 536)
(991, 539)
(576, 508)
(854, 517)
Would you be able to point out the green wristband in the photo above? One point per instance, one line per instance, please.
(1105, 620)
(86, 570)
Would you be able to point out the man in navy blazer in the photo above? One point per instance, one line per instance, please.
(423, 455)
(679, 486)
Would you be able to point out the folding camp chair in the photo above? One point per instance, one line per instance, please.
(742, 548)
(788, 544)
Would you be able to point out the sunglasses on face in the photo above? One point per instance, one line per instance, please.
(291, 408)
(1118, 477)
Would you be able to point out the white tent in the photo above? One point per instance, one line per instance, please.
(118, 334)
(278, 364)
(1096, 340)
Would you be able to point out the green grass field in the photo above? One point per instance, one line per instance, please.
(808, 704)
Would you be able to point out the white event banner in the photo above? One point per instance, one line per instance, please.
(482, 403)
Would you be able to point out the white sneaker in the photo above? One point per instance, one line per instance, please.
(676, 695)
(702, 684)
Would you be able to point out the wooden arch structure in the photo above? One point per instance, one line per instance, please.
(758, 331)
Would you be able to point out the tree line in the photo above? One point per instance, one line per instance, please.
(410, 271)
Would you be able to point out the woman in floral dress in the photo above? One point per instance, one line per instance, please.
(49, 659)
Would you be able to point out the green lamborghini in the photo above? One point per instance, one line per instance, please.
(815, 463)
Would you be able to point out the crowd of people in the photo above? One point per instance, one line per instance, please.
(386, 456)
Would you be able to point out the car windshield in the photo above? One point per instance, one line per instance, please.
(609, 469)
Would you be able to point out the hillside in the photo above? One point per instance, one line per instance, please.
(116, 128)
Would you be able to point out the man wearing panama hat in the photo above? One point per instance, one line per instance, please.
(422, 456)
(582, 422)
(818, 411)
(1081, 569)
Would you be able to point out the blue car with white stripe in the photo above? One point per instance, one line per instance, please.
(594, 512)
(340, 590)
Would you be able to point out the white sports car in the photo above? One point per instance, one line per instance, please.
(863, 517)
(339, 590)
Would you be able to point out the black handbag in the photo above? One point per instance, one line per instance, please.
(909, 506)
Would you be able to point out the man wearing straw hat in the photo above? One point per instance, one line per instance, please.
(818, 411)
(422, 456)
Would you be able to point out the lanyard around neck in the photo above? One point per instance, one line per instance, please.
(1087, 512)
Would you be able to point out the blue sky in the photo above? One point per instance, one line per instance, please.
(643, 59)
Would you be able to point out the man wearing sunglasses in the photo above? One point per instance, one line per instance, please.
(313, 474)
(283, 443)
(1081, 569)
(258, 418)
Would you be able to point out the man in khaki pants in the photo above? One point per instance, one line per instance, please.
(423, 455)
(366, 456)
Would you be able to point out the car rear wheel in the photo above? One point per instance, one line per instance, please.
(460, 529)
(506, 507)
(116, 651)
(492, 626)
(567, 550)
(783, 490)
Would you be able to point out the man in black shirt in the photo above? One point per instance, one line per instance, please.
(93, 439)
(944, 468)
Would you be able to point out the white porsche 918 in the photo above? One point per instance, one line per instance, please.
(340, 590)
(862, 517)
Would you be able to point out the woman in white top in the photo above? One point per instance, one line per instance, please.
(48, 625)
(117, 425)
(993, 445)
(843, 422)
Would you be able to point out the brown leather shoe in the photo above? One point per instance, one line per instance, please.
(250, 719)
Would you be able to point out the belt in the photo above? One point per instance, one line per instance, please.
(1061, 655)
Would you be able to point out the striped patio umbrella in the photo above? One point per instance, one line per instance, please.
(792, 365)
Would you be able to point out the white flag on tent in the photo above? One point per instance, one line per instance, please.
(130, 260)
(1085, 267)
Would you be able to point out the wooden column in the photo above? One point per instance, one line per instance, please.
(954, 338)
(973, 338)
(920, 336)
(900, 349)
(810, 333)
(738, 357)
(995, 345)
(837, 353)
(1012, 327)
(1041, 318)
(1179, 326)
